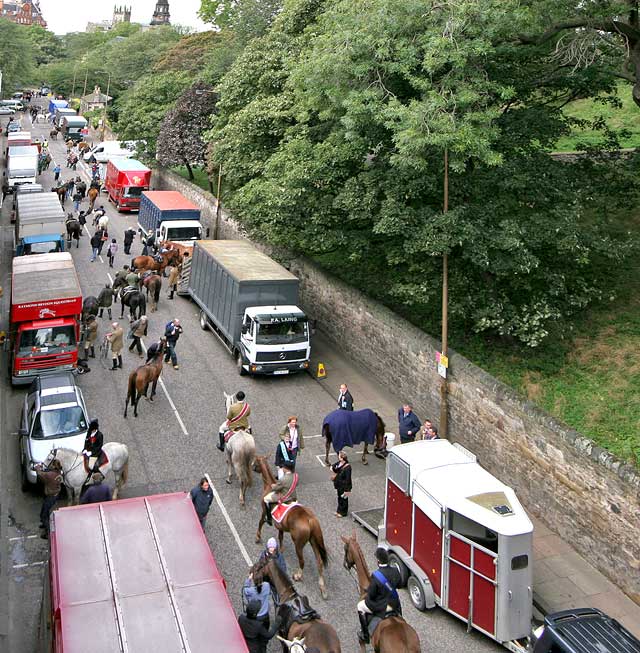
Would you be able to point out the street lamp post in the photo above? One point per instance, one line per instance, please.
(106, 102)
(444, 389)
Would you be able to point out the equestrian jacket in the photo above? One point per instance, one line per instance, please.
(283, 453)
(52, 482)
(116, 338)
(238, 416)
(105, 298)
(139, 328)
(284, 488)
(345, 401)
(255, 634)
(92, 332)
(201, 500)
(132, 279)
(96, 494)
(342, 480)
(408, 422)
(381, 594)
(93, 442)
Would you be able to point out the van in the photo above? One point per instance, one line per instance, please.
(106, 150)
(14, 104)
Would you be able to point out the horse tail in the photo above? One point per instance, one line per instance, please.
(131, 390)
(143, 304)
(124, 473)
(133, 261)
(317, 540)
(156, 294)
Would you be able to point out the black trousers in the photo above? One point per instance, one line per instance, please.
(48, 504)
(136, 343)
(343, 505)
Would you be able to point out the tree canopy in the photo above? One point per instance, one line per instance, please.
(16, 55)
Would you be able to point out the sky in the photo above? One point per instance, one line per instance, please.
(64, 16)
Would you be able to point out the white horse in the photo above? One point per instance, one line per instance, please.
(75, 475)
(295, 645)
(241, 453)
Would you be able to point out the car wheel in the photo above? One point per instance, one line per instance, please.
(400, 567)
(239, 362)
(203, 321)
(416, 593)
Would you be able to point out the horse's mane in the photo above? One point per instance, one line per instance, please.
(273, 571)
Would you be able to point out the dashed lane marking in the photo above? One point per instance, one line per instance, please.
(22, 537)
(320, 457)
(30, 564)
(231, 525)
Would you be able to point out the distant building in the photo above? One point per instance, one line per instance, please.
(161, 14)
(95, 100)
(120, 15)
(25, 12)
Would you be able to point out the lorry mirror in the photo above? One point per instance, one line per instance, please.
(23, 432)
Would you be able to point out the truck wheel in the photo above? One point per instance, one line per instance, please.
(239, 361)
(203, 321)
(400, 567)
(416, 593)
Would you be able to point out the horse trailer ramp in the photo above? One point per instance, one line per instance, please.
(371, 519)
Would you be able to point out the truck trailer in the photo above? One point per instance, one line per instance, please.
(74, 127)
(46, 303)
(22, 165)
(169, 215)
(125, 181)
(61, 113)
(40, 224)
(249, 302)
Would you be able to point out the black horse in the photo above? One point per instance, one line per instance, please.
(90, 306)
(136, 302)
(74, 230)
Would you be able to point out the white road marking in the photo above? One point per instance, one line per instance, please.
(320, 457)
(168, 396)
(308, 437)
(22, 537)
(30, 564)
(231, 525)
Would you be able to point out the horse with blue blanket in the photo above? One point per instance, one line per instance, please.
(346, 428)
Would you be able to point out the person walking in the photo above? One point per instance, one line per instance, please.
(202, 496)
(91, 337)
(138, 329)
(255, 634)
(296, 441)
(260, 592)
(408, 423)
(77, 198)
(98, 491)
(111, 252)
(129, 235)
(70, 186)
(52, 482)
(174, 275)
(341, 477)
(96, 241)
(105, 300)
(56, 172)
(284, 455)
(116, 340)
(345, 400)
(104, 237)
(172, 332)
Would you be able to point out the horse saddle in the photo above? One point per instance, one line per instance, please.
(281, 509)
(126, 291)
(374, 621)
(90, 462)
(299, 610)
(157, 258)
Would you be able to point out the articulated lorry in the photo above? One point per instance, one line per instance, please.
(249, 302)
(46, 303)
(74, 128)
(40, 224)
(169, 216)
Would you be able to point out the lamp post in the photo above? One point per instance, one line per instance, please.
(106, 102)
(444, 390)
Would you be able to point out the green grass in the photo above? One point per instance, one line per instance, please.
(626, 117)
(200, 175)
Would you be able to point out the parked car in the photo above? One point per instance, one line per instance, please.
(14, 104)
(53, 415)
(7, 111)
(14, 126)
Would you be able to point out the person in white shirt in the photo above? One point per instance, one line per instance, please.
(296, 441)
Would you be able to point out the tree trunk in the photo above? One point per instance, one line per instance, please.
(189, 170)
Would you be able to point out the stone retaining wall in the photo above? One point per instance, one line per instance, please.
(578, 489)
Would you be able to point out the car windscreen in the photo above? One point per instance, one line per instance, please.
(59, 421)
(282, 333)
(46, 340)
(183, 233)
(42, 248)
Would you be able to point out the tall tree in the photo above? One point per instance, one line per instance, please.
(247, 18)
(16, 55)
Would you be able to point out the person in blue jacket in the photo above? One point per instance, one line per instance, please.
(408, 423)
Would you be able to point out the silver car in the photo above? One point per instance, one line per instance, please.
(54, 416)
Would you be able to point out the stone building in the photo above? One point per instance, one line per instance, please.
(25, 12)
(161, 14)
(95, 100)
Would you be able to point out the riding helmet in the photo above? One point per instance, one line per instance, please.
(93, 424)
(382, 556)
(240, 395)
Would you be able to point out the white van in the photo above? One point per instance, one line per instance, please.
(106, 150)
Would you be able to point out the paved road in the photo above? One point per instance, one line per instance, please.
(171, 446)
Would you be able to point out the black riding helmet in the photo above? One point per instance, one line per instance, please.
(240, 395)
(253, 607)
(93, 424)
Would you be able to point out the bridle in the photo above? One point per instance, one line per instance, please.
(76, 463)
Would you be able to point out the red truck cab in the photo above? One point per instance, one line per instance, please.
(46, 303)
(125, 181)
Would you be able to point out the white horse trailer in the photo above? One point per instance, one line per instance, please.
(459, 538)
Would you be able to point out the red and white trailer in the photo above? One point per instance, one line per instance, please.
(459, 538)
(135, 576)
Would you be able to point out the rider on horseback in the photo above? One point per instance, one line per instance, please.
(284, 491)
(237, 418)
(93, 446)
(382, 595)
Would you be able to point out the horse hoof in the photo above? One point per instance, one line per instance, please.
(365, 462)
(324, 594)
(258, 539)
(297, 576)
(227, 481)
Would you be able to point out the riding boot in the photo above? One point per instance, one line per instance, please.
(115, 364)
(101, 311)
(93, 352)
(221, 444)
(120, 361)
(363, 635)
(109, 311)
(268, 514)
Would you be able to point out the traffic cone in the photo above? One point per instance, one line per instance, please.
(322, 372)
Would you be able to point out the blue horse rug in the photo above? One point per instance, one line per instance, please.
(349, 428)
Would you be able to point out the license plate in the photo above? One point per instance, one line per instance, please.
(281, 372)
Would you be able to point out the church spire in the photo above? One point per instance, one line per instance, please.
(161, 14)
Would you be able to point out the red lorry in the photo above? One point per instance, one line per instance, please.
(125, 181)
(46, 304)
(135, 575)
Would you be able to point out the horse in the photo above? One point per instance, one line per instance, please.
(90, 306)
(300, 522)
(61, 192)
(294, 646)
(92, 195)
(352, 427)
(139, 380)
(299, 620)
(135, 301)
(53, 134)
(75, 475)
(171, 257)
(74, 229)
(393, 634)
(153, 284)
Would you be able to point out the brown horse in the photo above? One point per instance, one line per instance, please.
(92, 195)
(153, 284)
(172, 257)
(139, 381)
(393, 634)
(318, 635)
(300, 522)
(363, 425)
